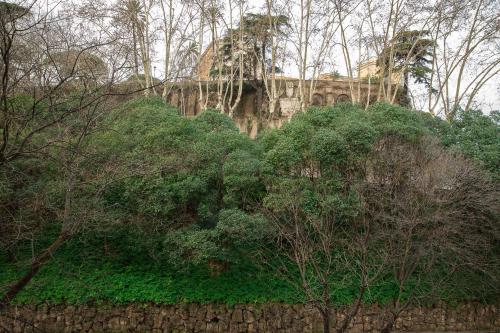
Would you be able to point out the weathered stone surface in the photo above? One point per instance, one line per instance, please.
(213, 318)
(248, 115)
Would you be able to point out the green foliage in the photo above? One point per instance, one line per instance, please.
(213, 121)
(337, 137)
(241, 173)
(182, 194)
(391, 119)
(257, 35)
(235, 235)
(10, 12)
(178, 173)
(80, 274)
(21, 103)
(313, 168)
(412, 54)
(328, 147)
(477, 136)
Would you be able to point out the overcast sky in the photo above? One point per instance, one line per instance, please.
(488, 97)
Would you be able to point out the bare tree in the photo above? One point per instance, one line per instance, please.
(65, 84)
(321, 251)
(466, 53)
(272, 90)
(179, 30)
(302, 45)
(327, 23)
(239, 51)
(463, 50)
(71, 154)
(433, 212)
(343, 9)
(136, 15)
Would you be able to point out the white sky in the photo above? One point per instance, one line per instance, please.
(488, 98)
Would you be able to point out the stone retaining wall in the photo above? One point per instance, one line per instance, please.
(272, 318)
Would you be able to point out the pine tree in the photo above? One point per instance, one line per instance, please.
(411, 56)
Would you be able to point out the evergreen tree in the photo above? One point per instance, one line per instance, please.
(411, 54)
(257, 36)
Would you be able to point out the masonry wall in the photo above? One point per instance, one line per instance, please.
(251, 120)
(272, 318)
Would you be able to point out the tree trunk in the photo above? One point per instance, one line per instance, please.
(325, 310)
(10, 251)
(326, 321)
(389, 326)
(354, 311)
(38, 263)
(47, 254)
(260, 98)
(136, 59)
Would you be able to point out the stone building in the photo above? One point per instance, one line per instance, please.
(327, 90)
(205, 65)
(370, 69)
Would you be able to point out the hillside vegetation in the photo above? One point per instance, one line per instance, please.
(380, 205)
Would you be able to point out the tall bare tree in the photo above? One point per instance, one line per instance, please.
(434, 212)
(65, 85)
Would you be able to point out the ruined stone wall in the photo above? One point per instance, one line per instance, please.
(251, 120)
(269, 318)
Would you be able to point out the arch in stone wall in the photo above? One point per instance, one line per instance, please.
(343, 98)
(317, 100)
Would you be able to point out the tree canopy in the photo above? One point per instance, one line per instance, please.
(256, 32)
(412, 54)
(345, 187)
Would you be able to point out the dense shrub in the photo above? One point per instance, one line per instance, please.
(169, 172)
(183, 205)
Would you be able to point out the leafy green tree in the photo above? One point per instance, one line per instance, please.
(477, 136)
(257, 35)
(349, 190)
(434, 212)
(411, 56)
(10, 12)
(257, 32)
(311, 166)
(177, 173)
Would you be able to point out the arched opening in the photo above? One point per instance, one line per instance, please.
(343, 98)
(317, 100)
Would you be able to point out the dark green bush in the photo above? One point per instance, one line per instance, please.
(181, 194)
